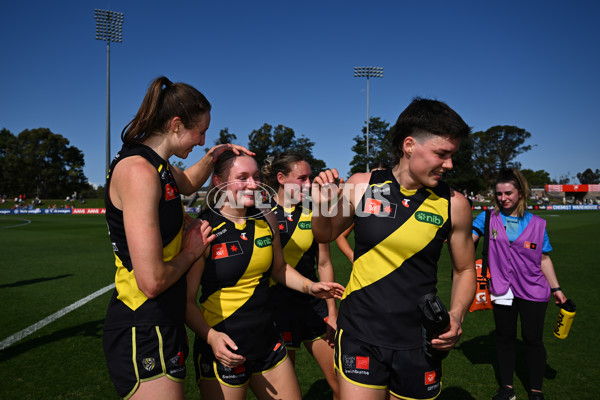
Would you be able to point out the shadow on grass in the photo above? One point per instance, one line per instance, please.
(482, 350)
(318, 390)
(455, 393)
(33, 281)
(91, 329)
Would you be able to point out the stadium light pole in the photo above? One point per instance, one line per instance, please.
(369, 72)
(109, 28)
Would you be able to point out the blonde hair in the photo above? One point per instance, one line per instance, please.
(514, 176)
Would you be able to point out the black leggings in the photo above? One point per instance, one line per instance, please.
(532, 331)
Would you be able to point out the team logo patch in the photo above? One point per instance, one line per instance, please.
(372, 206)
(380, 209)
(169, 192)
(430, 377)
(228, 249)
(305, 225)
(263, 241)
(529, 245)
(149, 363)
(283, 226)
(429, 218)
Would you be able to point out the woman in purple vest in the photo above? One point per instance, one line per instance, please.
(522, 278)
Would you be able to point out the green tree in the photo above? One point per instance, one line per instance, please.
(225, 137)
(589, 177)
(39, 162)
(463, 176)
(496, 148)
(536, 179)
(7, 145)
(380, 142)
(268, 142)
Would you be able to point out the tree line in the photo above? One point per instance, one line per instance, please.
(40, 162)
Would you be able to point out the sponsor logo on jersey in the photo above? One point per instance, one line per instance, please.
(356, 365)
(287, 336)
(405, 203)
(380, 209)
(289, 218)
(243, 236)
(430, 377)
(382, 188)
(228, 249)
(263, 241)
(305, 225)
(429, 218)
(169, 192)
(240, 369)
(372, 206)
(529, 245)
(148, 363)
(362, 362)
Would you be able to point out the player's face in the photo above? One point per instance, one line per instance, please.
(243, 181)
(296, 184)
(430, 158)
(194, 136)
(507, 196)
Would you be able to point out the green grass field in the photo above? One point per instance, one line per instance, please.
(56, 260)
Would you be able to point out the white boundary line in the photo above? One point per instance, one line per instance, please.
(15, 226)
(38, 325)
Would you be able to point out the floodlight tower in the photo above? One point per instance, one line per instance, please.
(369, 72)
(109, 28)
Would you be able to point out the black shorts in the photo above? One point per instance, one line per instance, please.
(157, 350)
(405, 373)
(300, 321)
(207, 366)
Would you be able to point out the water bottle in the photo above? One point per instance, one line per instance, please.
(565, 319)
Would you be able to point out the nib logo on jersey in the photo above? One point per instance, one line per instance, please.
(228, 249)
(356, 365)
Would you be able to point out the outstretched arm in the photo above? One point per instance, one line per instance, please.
(284, 273)
(195, 176)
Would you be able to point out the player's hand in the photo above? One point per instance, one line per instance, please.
(447, 340)
(331, 322)
(197, 235)
(325, 188)
(222, 347)
(216, 151)
(326, 290)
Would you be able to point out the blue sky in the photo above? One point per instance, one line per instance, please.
(533, 64)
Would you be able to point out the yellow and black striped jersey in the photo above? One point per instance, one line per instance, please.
(399, 235)
(128, 305)
(235, 282)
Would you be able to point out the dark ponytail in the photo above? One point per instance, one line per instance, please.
(163, 101)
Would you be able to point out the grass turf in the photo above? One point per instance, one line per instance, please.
(56, 260)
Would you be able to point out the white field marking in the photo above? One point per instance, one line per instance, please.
(38, 325)
(25, 222)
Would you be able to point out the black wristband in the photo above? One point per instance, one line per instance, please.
(555, 289)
